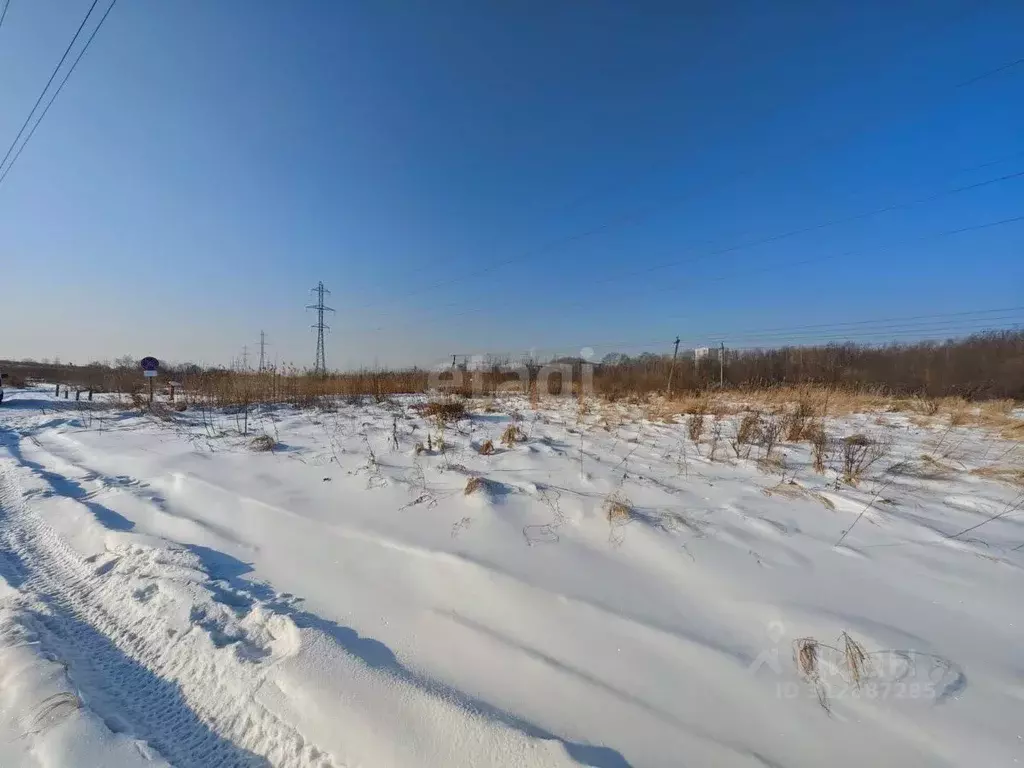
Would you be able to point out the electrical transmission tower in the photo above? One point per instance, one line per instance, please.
(263, 346)
(320, 366)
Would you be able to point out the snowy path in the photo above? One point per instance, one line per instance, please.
(172, 596)
(105, 618)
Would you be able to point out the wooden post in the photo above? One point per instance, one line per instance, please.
(56, 392)
(66, 390)
(721, 365)
(172, 391)
(78, 395)
(672, 370)
(90, 395)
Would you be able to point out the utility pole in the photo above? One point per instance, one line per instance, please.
(320, 366)
(263, 347)
(672, 370)
(721, 365)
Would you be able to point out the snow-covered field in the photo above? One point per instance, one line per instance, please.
(171, 596)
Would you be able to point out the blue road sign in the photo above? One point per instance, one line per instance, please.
(149, 363)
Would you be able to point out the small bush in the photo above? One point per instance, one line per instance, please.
(859, 453)
(769, 434)
(815, 433)
(511, 435)
(749, 427)
(486, 448)
(716, 436)
(695, 427)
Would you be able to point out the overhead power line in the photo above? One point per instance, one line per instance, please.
(776, 237)
(48, 83)
(748, 271)
(942, 322)
(59, 88)
(896, 320)
(909, 330)
(777, 339)
(814, 227)
(3, 13)
(991, 72)
(636, 215)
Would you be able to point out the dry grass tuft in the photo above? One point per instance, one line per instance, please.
(53, 709)
(262, 443)
(445, 411)
(855, 664)
(793, 490)
(1011, 475)
(796, 422)
(856, 659)
(926, 468)
(618, 508)
(771, 464)
(1013, 431)
(805, 653)
(959, 414)
(511, 435)
(486, 448)
(473, 485)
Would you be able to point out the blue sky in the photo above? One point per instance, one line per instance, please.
(497, 177)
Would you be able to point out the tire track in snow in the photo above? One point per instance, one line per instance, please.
(186, 694)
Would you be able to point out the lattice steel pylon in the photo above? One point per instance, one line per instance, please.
(320, 366)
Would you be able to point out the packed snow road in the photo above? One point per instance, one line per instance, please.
(171, 596)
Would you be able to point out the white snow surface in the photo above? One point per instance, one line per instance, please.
(170, 596)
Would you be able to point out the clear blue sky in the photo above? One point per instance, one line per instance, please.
(208, 162)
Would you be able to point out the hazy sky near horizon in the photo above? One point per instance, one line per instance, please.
(498, 177)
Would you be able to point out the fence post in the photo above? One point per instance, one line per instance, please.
(78, 394)
(56, 392)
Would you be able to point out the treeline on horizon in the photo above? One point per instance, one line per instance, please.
(981, 366)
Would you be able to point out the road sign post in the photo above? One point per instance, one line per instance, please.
(150, 367)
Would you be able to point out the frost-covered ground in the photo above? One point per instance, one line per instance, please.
(171, 596)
